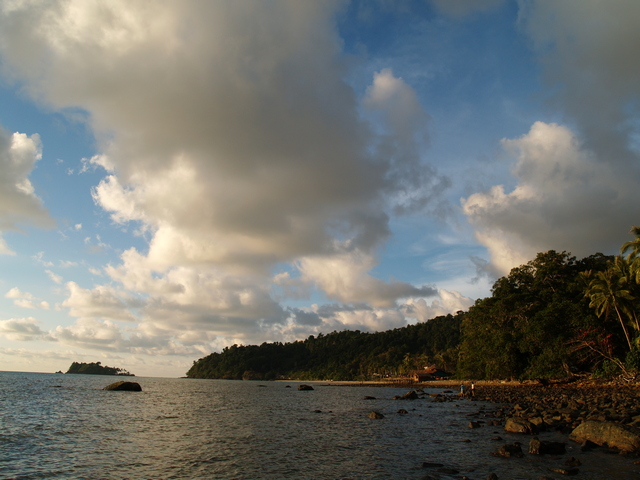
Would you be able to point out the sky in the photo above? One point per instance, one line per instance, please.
(181, 176)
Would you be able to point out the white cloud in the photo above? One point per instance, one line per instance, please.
(566, 199)
(22, 329)
(345, 278)
(55, 278)
(18, 201)
(250, 153)
(25, 299)
(448, 302)
(101, 302)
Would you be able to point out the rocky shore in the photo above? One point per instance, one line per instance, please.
(547, 419)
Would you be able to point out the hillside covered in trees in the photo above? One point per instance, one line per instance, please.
(97, 369)
(553, 317)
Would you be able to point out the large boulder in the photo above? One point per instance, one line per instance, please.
(305, 387)
(610, 434)
(126, 386)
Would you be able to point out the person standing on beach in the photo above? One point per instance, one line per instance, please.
(473, 389)
(462, 390)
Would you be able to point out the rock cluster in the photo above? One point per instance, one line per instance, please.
(539, 408)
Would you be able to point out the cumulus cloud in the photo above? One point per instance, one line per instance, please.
(565, 199)
(22, 329)
(447, 302)
(101, 302)
(25, 299)
(234, 144)
(590, 53)
(18, 202)
(345, 278)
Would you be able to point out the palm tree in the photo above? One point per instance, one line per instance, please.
(633, 255)
(608, 290)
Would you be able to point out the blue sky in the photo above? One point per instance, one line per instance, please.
(181, 176)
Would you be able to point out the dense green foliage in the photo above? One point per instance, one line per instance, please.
(552, 317)
(529, 325)
(96, 369)
(347, 355)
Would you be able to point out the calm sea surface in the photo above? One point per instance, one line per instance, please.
(67, 427)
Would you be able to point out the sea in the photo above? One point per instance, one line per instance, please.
(62, 426)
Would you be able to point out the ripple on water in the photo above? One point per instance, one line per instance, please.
(202, 429)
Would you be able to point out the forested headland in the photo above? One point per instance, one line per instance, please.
(97, 369)
(554, 317)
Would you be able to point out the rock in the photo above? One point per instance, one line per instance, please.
(402, 411)
(492, 476)
(448, 471)
(375, 415)
(520, 425)
(572, 462)
(432, 465)
(412, 395)
(474, 425)
(507, 451)
(369, 398)
(125, 386)
(305, 387)
(613, 435)
(537, 447)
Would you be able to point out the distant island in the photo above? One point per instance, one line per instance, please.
(97, 369)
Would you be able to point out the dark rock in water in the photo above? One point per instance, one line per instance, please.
(317, 411)
(520, 425)
(492, 476)
(473, 424)
(448, 471)
(507, 451)
(573, 462)
(497, 438)
(412, 395)
(369, 398)
(375, 415)
(305, 387)
(402, 411)
(613, 435)
(537, 447)
(287, 386)
(126, 386)
(432, 465)
(587, 445)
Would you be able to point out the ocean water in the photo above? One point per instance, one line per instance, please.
(67, 427)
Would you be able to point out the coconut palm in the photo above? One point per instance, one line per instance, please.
(608, 290)
(633, 255)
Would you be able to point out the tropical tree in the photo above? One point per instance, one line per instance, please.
(608, 291)
(632, 250)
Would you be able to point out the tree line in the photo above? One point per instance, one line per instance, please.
(552, 317)
(96, 368)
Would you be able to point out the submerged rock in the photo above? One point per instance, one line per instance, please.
(544, 447)
(375, 415)
(125, 386)
(507, 451)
